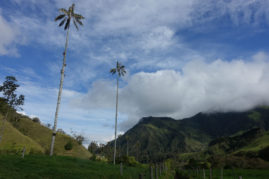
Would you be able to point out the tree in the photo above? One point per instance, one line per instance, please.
(93, 147)
(80, 139)
(68, 145)
(8, 89)
(36, 119)
(119, 71)
(65, 17)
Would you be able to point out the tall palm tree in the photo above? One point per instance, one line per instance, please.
(66, 17)
(119, 71)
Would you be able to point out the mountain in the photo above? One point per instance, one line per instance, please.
(21, 131)
(156, 138)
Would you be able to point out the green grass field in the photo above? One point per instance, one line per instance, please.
(34, 166)
(230, 173)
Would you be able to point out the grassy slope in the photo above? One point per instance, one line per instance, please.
(42, 135)
(62, 167)
(14, 141)
(36, 138)
(251, 144)
(258, 143)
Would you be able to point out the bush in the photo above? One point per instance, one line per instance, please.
(79, 138)
(36, 119)
(68, 146)
(61, 131)
(127, 160)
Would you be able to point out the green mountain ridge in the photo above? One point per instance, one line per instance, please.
(157, 138)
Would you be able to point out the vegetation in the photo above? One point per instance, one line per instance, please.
(217, 142)
(15, 141)
(36, 119)
(66, 17)
(68, 146)
(38, 166)
(200, 137)
(227, 173)
(13, 102)
(93, 147)
(24, 132)
(119, 71)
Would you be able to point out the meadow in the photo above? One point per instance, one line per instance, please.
(229, 173)
(41, 166)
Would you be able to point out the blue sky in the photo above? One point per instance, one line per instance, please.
(181, 57)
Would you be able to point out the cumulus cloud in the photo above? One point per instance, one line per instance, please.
(235, 85)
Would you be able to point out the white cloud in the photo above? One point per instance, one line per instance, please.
(217, 86)
(159, 38)
(144, 34)
(154, 22)
(134, 16)
(239, 11)
(8, 36)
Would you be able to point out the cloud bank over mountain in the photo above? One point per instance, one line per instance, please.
(235, 85)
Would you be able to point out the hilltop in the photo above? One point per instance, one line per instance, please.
(21, 131)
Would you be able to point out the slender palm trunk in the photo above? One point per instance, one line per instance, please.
(3, 126)
(116, 120)
(59, 95)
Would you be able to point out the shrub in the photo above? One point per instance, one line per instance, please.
(68, 146)
(61, 131)
(36, 119)
(79, 138)
(127, 160)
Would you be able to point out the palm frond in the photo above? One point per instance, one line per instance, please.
(113, 71)
(59, 17)
(67, 24)
(75, 24)
(78, 16)
(62, 22)
(63, 11)
(78, 21)
(68, 15)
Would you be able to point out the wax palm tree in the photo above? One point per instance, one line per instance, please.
(66, 17)
(119, 71)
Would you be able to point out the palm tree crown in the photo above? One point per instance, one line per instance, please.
(67, 16)
(119, 70)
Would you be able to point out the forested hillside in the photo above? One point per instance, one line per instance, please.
(157, 138)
